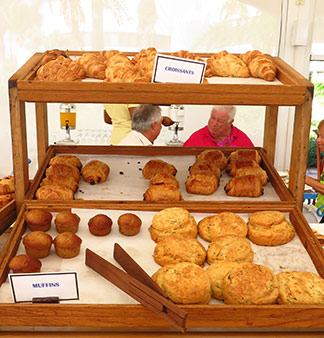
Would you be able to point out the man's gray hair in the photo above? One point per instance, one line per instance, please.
(230, 109)
(144, 116)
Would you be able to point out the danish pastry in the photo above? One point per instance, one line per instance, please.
(205, 165)
(95, 172)
(202, 182)
(245, 154)
(60, 169)
(153, 167)
(244, 186)
(234, 165)
(164, 179)
(66, 181)
(162, 192)
(66, 159)
(7, 185)
(215, 156)
(257, 171)
(54, 192)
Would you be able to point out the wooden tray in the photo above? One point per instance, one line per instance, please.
(7, 215)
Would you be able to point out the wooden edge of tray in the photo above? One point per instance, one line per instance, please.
(7, 215)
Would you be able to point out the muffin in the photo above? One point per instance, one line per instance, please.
(37, 244)
(129, 224)
(66, 221)
(24, 264)
(100, 225)
(67, 244)
(38, 219)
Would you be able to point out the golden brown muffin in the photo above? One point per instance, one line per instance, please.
(300, 287)
(257, 171)
(67, 244)
(66, 221)
(66, 159)
(175, 249)
(202, 182)
(184, 283)
(38, 219)
(164, 178)
(100, 225)
(25, 264)
(67, 181)
(271, 231)
(129, 224)
(162, 192)
(225, 223)
(205, 165)
(172, 221)
(54, 192)
(249, 283)
(61, 169)
(230, 248)
(153, 167)
(244, 154)
(216, 272)
(95, 172)
(215, 156)
(38, 244)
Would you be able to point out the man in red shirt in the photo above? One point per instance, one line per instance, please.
(220, 131)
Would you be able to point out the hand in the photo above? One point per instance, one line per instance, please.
(166, 121)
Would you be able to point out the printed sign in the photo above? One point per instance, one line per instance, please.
(26, 286)
(172, 69)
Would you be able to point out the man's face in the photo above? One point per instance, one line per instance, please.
(320, 138)
(218, 124)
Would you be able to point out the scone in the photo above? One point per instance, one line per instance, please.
(162, 192)
(67, 244)
(202, 182)
(175, 249)
(25, 264)
(129, 224)
(300, 287)
(216, 272)
(225, 223)
(66, 159)
(270, 231)
(95, 172)
(184, 283)
(38, 219)
(100, 225)
(38, 244)
(215, 156)
(67, 221)
(205, 165)
(249, 284)
(230, 248)
(172, 221)
(153, 167)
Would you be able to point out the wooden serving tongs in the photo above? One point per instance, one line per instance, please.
(138, 284)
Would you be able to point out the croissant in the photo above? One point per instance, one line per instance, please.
(234, 165)
(164, 178)
(66, 159)
(162, 192)
(60, 169)
(244, 186)
(260, 65)
(93, 65)
(144, 62)
(153, 167)
(205, 165)
(95, 172)
(215, 156)
(245, 154)
(227, 65)
(257, 171)
(202, 182)
(52, 55)
(54, 192)
(66, 181)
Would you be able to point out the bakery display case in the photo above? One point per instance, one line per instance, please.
(289, 89)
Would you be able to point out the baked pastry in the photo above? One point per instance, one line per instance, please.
(233, 166)
(215, 156)
(62, 169)
(66, 221)
(257, 171)
(244, 186)
(270, 231)
(184, 283)
(129, 224)
(249, 283)
(93, 65)
(205, 165)
(300, 287)
(202, 182)
(162, 192)
(244, 154)
(7, 185)
(153, 167)
(54, 192)
(225, 223)
(230, 248)
(5, 199)
(172, 221)
(25, 264)
(52, 55)
(100, 225)
(66, 159)
(95, 172)
(66, 181)
(67, 244)
(175, 249)
(216, 272)
(37, 244)
(38, 219)
(164, 179)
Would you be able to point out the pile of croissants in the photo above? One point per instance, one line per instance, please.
(115, 66)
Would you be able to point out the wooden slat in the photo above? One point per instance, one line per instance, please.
(42, 130)
(270, 132)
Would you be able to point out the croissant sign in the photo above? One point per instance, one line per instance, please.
(173, 69)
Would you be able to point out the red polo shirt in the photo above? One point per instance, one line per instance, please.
(202, 138)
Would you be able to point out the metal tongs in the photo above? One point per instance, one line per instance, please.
(138, 284)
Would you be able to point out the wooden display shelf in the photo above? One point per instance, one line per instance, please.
(294, 90)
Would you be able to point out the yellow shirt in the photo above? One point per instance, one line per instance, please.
(121, 120)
